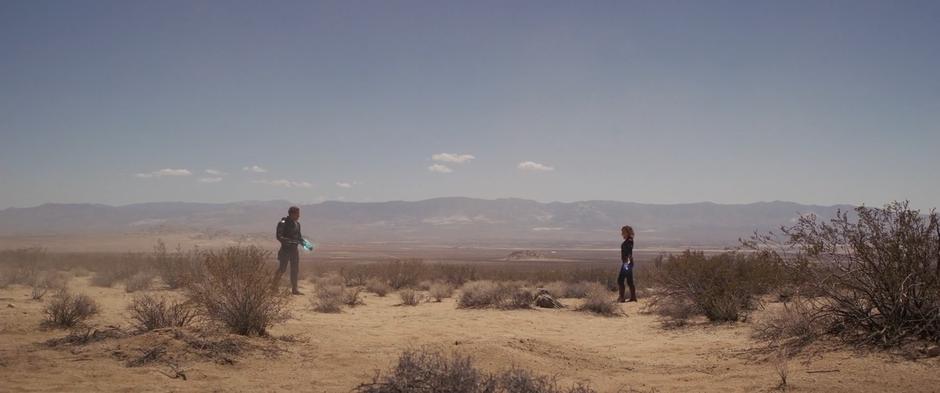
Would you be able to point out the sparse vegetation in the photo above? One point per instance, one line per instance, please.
(600, 301)
(179, 268)
(794, 326)
(723, 288)
(351, 296)
(67, 310)
(237, 292)
(329, 299)
(875, 279)
(409, 297)
(483, 294)
(149, 312)
(141, 281)
(378, 287)
(421, 371)
(440, 291)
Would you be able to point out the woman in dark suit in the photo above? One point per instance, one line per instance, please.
(626, 267)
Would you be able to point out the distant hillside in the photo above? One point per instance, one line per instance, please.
(441, 219)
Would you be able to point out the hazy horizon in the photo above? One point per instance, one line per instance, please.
(123, 102)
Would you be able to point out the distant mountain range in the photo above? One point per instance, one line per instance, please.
(446, 220)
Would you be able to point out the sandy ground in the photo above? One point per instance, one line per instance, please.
(335, 352)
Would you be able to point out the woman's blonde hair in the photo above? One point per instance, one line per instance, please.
(628, 229)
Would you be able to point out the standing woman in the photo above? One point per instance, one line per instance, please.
(626, 268)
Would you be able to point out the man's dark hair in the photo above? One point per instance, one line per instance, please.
(292, 210)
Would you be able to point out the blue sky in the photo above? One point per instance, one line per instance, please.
(818, 102)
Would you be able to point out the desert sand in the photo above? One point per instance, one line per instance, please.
(318, 352)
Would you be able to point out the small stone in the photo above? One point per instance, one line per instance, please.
(10, 305)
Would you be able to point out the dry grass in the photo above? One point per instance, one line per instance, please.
(328, 299)
(422, 371)
(600, 301)
(67, 310)
(485, 294)
(409, 297)
(141, 281)
(378, 287)
(150, 312)
(440, 291)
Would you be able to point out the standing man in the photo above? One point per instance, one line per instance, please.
(288, 233)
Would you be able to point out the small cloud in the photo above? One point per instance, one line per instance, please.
(454, 158)
(535, 167)
(284, 183)
(440, 168)
(343, 184)
(255, 169)
(210, 179)
(164, 172)
(215, 172)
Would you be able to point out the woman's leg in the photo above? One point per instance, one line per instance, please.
(620, 286)
(630, 283)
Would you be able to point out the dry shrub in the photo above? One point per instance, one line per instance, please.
(423, 371)
(351, 296)
(877, 277)
(723, 288)
(794, 326)
(46, 281)
(673, 311)
(179, 268)
(600, 301)
(378, 287)
(404, 273)
(237, 290)
(424, 285)
(557, 289)
(409, 297)
(483, 294)
(141, 281)
(329, 299)
(151, 312)
(67, 310)
(328, 280)
(440, 291)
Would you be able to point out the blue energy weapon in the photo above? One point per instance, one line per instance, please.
(307, 245)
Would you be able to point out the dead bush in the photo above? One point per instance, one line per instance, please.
(794, 326)
(404, 273)
(600, 301)
(378, 287)
(47, 281)
(440, 291)
(67, 310)
(424, 371)
(483, 294)
(141, 281)
(877, 277)
(151, 312)
(409, 297)
(179, 268)
(328, 280)
(237, 292)
(329, 299)
(351, 296)
(723, 288)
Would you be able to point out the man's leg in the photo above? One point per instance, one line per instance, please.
(294, 270)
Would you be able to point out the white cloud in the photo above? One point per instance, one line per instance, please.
(341, 184)
(285, 183)
(534, 166)
(215, 172)
(255, 169)
(165, 172)
(210, 179)
(454, 158)
(440, 168)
